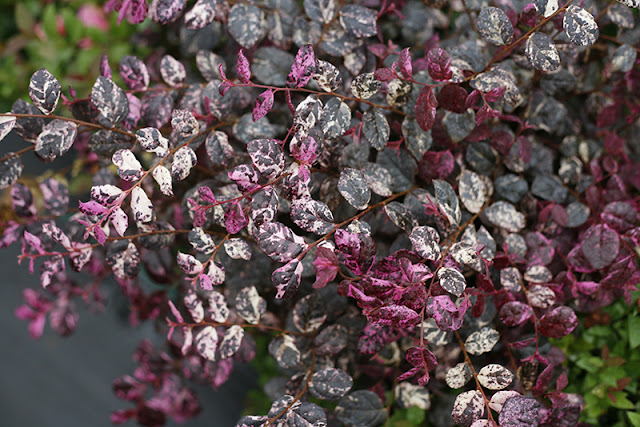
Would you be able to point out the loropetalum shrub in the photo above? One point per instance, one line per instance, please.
(408, 197)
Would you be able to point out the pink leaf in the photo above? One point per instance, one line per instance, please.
(426, 108)
(439, 64)
(303, 67)
(264, 103)
(405, 63)
(244, 73)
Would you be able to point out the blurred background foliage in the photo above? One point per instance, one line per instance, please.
(66, 37)
(604, 364)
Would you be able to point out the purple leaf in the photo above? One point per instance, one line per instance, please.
(243, 70)
(439, 64)
(287, 278)
(519, 411)
(264, 103)
(303, 68)
(405, 64)
(559, 322)
(426, 108)
(515, 313)
(600, 245)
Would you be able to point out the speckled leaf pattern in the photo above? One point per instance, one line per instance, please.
(447, 201)
(215, 273)
(331, 340)
(494, 25)
(472, 190)
(408, 395)
(365, 86)
(120, 221)
(134, 73)
(163, 177)
(189, 264)
(200, 15)
(580, 26)
(56, 139)
(631, 3)
(124, 259)
(309, 314)
(206, 342)
(184, 123)
(327, 76)
(541, 296)
(514, 313)
(359, 21)
(150, 139)
(172, 71)
(219, 151)
(546, 8)
(278, 241)
(600, 245)
(519, 411)
(468, 407)
(264, 206)
(55, 196)
(218, 309)
(375, 128)
(335, 118)
(237, 249)
(330, 384)
(303, 68)
(264, 103)
(361, 408)
(320, 10)
(287, 278)
(250, 305)
(459, 375)
(495, 377)
(7, 123)
(141, 206)
(504, 215)
(482, 341)
(285, 352)
(541, 52)
(558, 322)
(267, 157)
(201, 241)
(156, 109)
(166, 11)
(110, 101)
(418, 141)
(194, 305)
(452, 281)
(247, 24)
(183, 160)
(106, 194)
(129, 168)
(353, 187)
(209, 64)
(231, 342)
(378, 179)
(623, 58)
(401, 216)
(44, 91)
(425, 241)
(312, 216)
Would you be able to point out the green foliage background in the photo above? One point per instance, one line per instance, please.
(30, 40)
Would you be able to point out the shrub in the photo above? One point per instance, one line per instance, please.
(409, 199)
